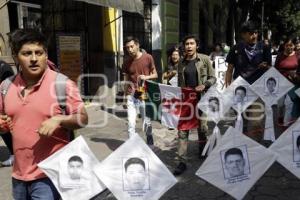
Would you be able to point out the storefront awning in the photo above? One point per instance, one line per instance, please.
(127, 5)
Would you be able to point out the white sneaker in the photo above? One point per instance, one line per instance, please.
(9, 161)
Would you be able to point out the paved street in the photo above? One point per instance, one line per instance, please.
(276, 184)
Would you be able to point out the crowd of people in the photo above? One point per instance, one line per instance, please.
(186, 67)
(250, 59)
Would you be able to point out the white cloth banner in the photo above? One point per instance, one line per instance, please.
(214, 105)
(174, 81)
(273, 60)
(271, 87)
(213, 140)
(287, 147)
(236, 163)
(288, 105)
(70, 170)
(169, 115)
(240, 95)
(269, 133)
(133, 171)
(239, 124)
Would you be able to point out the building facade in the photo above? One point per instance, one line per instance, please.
(86, 40)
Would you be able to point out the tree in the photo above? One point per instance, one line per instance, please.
(288, 19)
(281, 17)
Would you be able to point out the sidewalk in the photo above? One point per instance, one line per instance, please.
(276, 184)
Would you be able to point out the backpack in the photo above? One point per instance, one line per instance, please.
(60, 90)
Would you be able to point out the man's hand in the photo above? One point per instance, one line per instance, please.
(263, 65)
(200, 88)
(5, 123)
(48, 127)
(142, 77)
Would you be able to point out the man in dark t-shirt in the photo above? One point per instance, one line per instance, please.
(5, 72)
(190, 74)
(195, 71)
(249, 59)
(138, 68)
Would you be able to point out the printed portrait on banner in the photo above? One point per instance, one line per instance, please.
(133, 171)
(135, 174)
(271, 86)
(235, 164)
(240, 95)
(296, 146)
(71, 171)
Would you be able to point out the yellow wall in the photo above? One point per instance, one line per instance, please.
(109, 35)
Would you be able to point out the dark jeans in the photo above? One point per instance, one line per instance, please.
(41, 189)
(8, 141)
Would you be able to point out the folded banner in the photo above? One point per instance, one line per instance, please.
(173, 106)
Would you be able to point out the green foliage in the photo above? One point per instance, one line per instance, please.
(283, 18)
(289, 19)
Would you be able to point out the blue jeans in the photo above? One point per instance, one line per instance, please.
(42, 189)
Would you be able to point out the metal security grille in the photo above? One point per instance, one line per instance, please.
(139, 26)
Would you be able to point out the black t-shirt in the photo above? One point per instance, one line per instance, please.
(245, 67)
(5, 70)
(190, 74)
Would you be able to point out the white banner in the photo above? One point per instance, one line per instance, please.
(271, 87)
(287, 147)
(70, 170)
(273, 60)
(236, 163)
(240, 96)
(220, 71)
(133, 171)
(214, 105)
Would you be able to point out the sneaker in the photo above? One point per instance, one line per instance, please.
(181, 167)
(9, 161)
